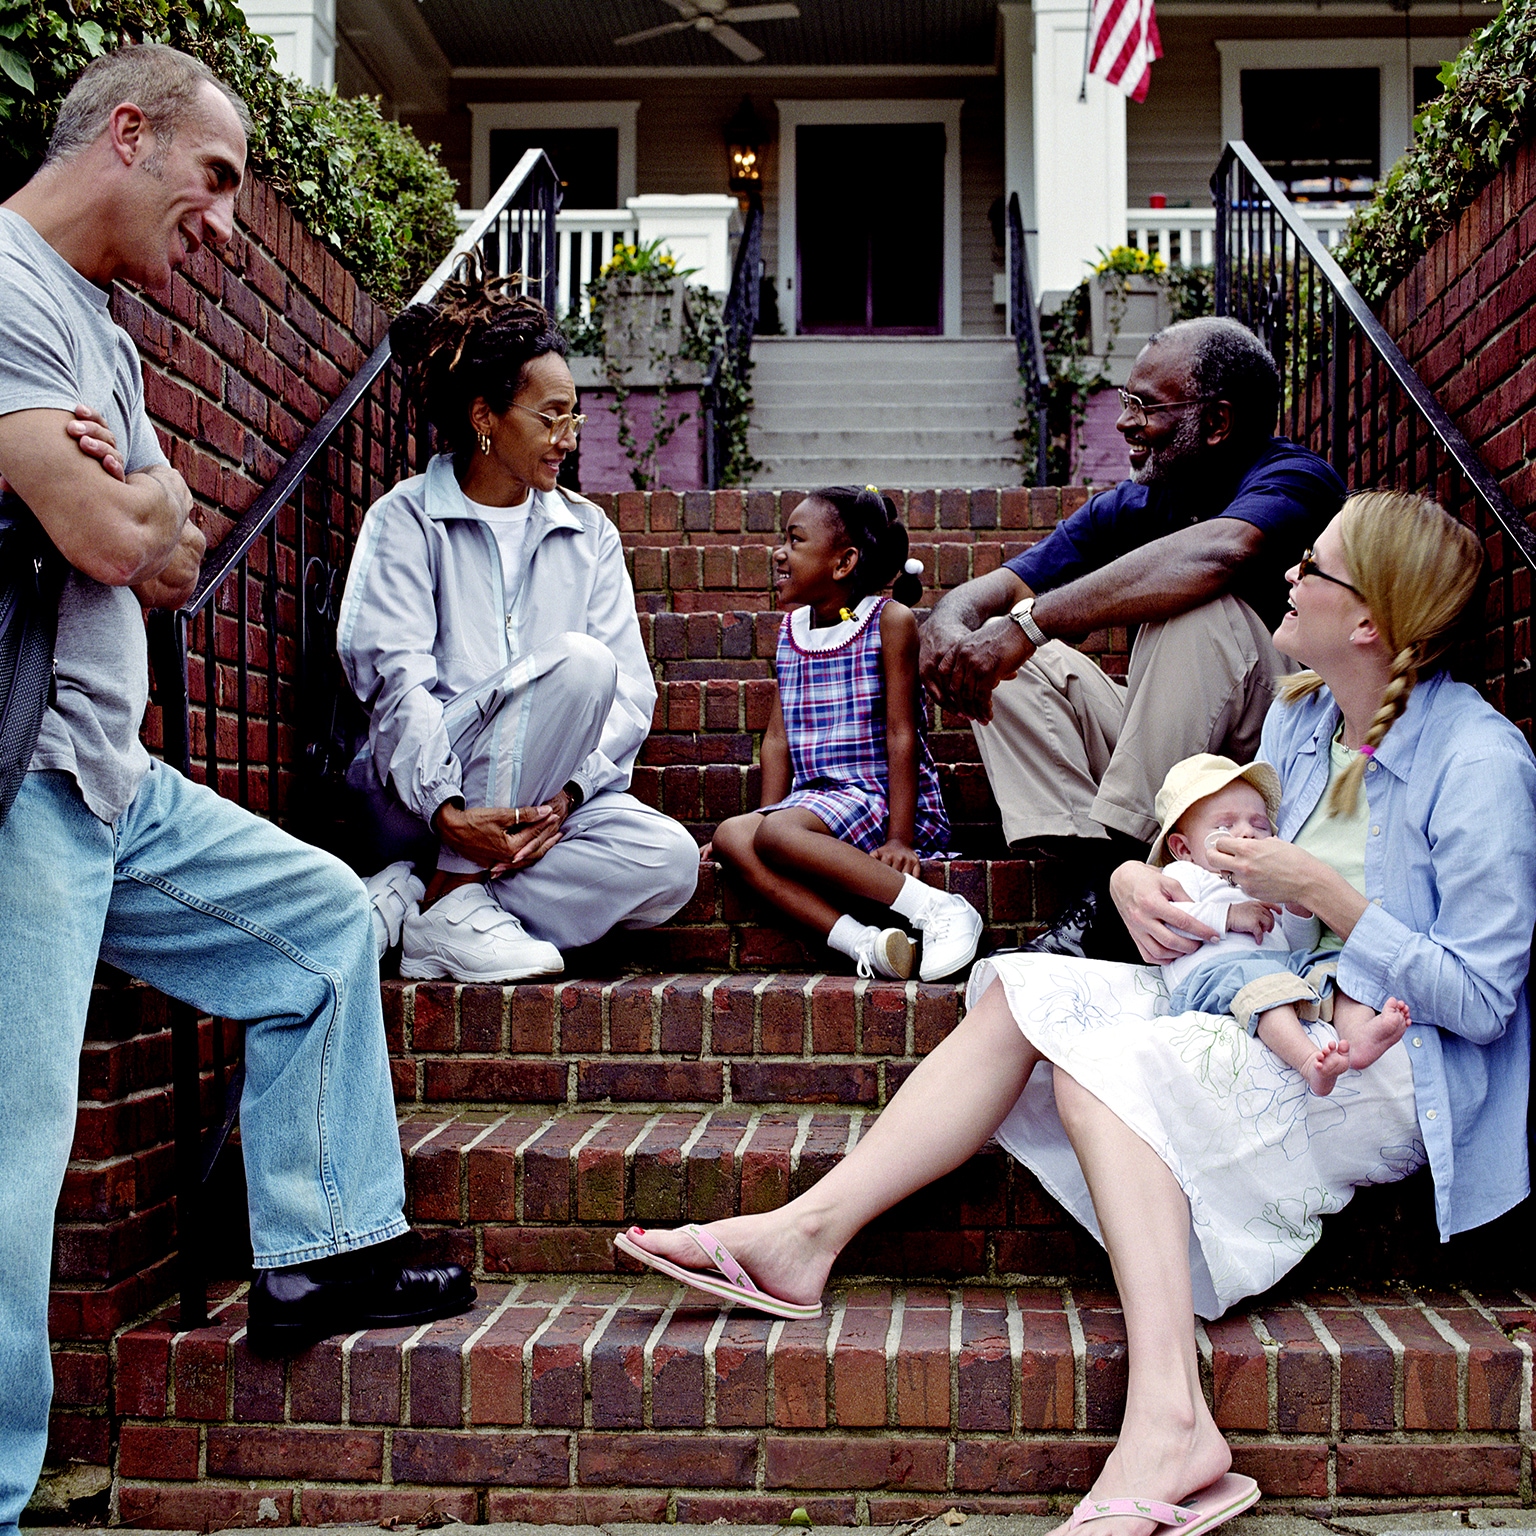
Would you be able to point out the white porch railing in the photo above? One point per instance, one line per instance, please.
(1186, 237)
(587, 237)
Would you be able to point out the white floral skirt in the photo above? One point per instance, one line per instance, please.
(1261, 1158)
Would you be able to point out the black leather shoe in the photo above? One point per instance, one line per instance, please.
(1070, 934)
(292, 1308)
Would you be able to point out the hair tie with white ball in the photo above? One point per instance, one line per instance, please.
(913, 567)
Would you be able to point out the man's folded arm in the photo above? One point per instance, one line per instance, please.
(118, 532)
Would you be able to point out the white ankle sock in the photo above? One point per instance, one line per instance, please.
(912, 898)
(847, 934)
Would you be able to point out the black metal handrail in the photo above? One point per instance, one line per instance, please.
(1351, 395)
(739, 321)
(1025, 320)
(245, 673)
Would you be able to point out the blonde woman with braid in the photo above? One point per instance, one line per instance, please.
(1198, 1158)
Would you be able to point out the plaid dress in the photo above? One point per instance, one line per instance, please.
(832, 694)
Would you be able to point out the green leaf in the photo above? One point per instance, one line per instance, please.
(797, 1516)
(18, 69)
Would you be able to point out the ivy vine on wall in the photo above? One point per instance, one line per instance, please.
(363, 184)
(1460, 141)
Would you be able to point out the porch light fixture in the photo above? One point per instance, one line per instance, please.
(745, 136)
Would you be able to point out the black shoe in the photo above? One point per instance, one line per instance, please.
(1090, 929)
(290, 1309)
(1070, 934)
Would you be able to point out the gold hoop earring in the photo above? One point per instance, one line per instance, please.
(484, 439)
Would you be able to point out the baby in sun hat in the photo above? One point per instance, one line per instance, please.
(1268, 977)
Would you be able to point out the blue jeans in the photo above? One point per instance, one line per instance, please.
(222, 910)
(1212, 987)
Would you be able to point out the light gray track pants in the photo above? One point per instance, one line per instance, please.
(618, 864)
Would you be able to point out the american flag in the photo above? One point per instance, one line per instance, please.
(1123, 42)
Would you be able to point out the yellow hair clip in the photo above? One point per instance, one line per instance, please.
(874, 490)
(844, 615)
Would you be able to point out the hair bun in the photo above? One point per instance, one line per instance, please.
(410, 332)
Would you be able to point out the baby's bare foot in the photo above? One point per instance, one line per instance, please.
(1372, 1039)
(1323, 1070)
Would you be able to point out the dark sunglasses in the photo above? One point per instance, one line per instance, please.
(1307, 566)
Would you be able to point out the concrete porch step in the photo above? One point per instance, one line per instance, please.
(975, 465)
(573, 1401)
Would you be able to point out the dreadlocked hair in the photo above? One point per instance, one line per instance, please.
(871, 525)
(474, 341)
(1416, 568)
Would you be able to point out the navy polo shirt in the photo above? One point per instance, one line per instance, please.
(1286, 490)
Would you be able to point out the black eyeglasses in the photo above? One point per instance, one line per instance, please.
(1307, 566)
(1140, 409)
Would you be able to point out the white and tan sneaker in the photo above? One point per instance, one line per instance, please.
(951, 929)
(885, 952)
(467, 936)
(394, 893)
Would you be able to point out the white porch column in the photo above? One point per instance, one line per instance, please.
(1019, 125)
(695, 227)
(1079, 148)
(303, 34)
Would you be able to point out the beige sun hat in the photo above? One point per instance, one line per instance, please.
(1199, 776)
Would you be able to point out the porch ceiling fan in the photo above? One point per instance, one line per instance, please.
(712, 17)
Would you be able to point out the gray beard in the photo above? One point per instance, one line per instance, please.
(1175, 456)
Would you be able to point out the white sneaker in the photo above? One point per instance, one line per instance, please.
(951, 930)
(466, 936)
(885, 952)
(394, 893)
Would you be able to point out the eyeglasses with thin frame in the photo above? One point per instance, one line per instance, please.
(1307, 566)
(558, 425)
(1140, 409)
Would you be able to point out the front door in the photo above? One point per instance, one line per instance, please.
(869, 226)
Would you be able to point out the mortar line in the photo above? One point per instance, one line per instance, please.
(591, 1341)
(691, 1142)
(532, 1339)
(469, 1146)
(892, 1346)
(710, 1345)
(436, 1130)
(648, 1354)
(1521, 1344)
(808, 992)
(802, 1135)
(1335, 1371)
(657, 1002)
(406, 1351)
(518, 1166)
(757, 1012)
(770, 1400)
(1015, 1315)
(1459, 1344)
(860, 989)
(1271, 1371)
(1395, 1344)
(346, 1374)
(1207, 1358)
(834, 1328)
(956, 1336)
(1079, 1360)
(707, 998)
(513, 1292)
(909, 1023)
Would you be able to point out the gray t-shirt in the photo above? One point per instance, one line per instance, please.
(61, 347)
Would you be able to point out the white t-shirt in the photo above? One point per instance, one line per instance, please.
(510, 525)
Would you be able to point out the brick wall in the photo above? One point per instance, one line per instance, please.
(1465, 317)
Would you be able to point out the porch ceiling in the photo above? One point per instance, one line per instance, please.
(580, 33)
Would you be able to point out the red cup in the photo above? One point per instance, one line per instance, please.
(1158, 200)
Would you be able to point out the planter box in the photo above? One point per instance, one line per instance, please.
(646, 324)
(1123, 312)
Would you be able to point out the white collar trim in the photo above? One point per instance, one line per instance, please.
(834, 635)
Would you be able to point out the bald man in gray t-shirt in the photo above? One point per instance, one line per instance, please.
(107, 853)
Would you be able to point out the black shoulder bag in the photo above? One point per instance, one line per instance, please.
(31, 578)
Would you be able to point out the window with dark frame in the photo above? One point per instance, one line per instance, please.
(585, 159)
(1318, 131)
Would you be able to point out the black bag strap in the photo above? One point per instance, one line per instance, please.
(31, 579)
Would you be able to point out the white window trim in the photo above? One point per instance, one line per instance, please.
(794, 114)
(486, 115)
(1385, 54)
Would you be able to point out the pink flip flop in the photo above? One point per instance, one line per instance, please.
(1212, 1506)
(729, 1281)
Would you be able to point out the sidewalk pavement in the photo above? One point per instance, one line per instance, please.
(1441, 1522)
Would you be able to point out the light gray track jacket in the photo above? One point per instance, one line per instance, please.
(425, 624)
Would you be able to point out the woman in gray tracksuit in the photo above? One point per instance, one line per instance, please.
(489, 629)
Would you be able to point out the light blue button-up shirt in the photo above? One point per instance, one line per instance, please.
(1450, 872)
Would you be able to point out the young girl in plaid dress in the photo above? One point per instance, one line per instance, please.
(850, 795)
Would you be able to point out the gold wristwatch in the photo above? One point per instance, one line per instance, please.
(1023, 614)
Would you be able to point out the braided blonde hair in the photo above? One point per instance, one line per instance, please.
(1416, 568)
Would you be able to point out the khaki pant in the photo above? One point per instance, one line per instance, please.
(1071, 751)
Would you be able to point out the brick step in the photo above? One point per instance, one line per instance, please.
(725, 927)
(543, 1191)
(667, 518)
(582, 1402)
